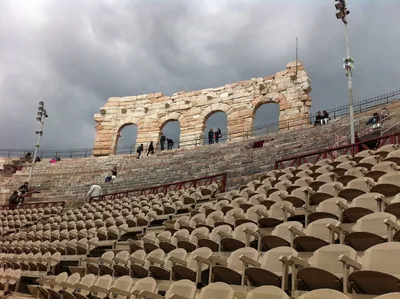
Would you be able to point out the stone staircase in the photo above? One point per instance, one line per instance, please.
(71, 178)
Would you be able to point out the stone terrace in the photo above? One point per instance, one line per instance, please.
(71, 178)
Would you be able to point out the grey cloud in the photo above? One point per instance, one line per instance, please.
(74, 55)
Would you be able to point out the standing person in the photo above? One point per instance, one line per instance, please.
(150, 150)
(139, 150)
(211, 136)
(170, 144)
(162, 141)
(95, 190)
(218, 135)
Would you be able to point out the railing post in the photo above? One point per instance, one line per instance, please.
(85, 152)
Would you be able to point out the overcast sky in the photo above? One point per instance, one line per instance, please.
(75, 54)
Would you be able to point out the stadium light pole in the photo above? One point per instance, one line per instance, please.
(348, 62)
(42, 115)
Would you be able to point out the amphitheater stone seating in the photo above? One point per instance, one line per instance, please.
(322, 230)
(241, 163)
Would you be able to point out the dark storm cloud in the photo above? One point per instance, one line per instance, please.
(74, 55)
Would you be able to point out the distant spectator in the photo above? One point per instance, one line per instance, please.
(57, 157)
(14, 198)
(95, 190)
(37, 159)
(211, 136)
(218, 135)
(162, 141)
(150, 149)
(23, 191)
(384, 113)
(113, 175)
(318, 118)
(139, 150)
(170, 144)
(374, 119)
(325, 117)
(28, 156)
(114, 171)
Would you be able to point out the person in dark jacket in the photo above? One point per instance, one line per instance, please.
(139, 150)
(14, 198)
(218, 135)
(150, 150)
(162, 141)
(23, 191)
(211, 136)
(170, 144)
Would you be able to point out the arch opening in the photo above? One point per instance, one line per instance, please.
(215, 120)
(171, 129)
(126, 139)
(266, 118)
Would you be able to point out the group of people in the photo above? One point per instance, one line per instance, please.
(163, 139)
(18, 196)
(378, 117)
(150, 148)
(214, 135)
(321, 118)
(28, 158)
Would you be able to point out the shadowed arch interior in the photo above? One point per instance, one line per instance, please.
(266, 118)
(215, 120)
(126, 139)
(171, 130)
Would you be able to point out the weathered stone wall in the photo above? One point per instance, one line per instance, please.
(239, 101)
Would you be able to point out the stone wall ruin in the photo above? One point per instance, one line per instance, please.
(289, 88)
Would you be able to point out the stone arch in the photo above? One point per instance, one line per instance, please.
(174, 116)
(119, 126)
(273, 97)
(216, 107)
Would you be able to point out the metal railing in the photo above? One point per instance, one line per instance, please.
(334, 152)
(219, 179)
(294, 123)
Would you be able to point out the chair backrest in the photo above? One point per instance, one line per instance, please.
(267, 292)
(105, 282)
(367, 201)
(270, 260)
(178, 253)
(374, 223)
(146, 284)
(239, 233)
(217, 290)
(383, 258)
(327, 258)
(203, 252)
(252, 212)
(282, 230)
(214, 236)
(319, 230)
(184, 287)
(123, 283)
(234, 261)
(87, 280)
(73, 279)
